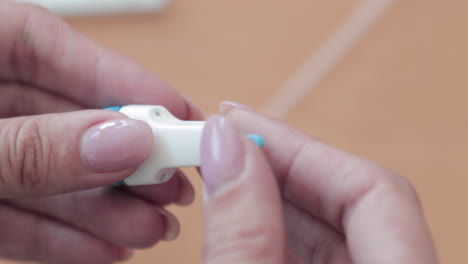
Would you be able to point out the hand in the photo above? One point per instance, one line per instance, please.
(50, 151)
(301, 201)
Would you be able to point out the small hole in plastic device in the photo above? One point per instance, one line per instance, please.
(157, 113)
(165, 174)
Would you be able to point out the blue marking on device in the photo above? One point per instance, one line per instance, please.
(113, 108)
(117, 184)
(257, 139)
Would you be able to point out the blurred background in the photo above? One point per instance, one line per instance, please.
(398, 97)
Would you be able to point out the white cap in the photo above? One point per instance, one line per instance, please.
(176, 144)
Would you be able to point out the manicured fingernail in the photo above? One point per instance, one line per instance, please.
(226, 106)
(172, 225)
(116, 145)
(222, 153)
(125, 255)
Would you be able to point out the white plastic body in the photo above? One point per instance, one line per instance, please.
(98, 7)
(176, 144)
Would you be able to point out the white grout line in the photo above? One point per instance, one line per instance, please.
(327, 57)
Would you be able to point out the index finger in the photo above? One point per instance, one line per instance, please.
(41, 49)
(376, 209)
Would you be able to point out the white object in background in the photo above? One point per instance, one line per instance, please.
(98, 7)
(327, 57)
(176, 144)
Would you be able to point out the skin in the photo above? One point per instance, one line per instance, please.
(296, 201)
(62, 213)
(299, 200)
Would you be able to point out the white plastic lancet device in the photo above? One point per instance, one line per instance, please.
(176, 143)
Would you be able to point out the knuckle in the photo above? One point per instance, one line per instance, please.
(383, 183)
(29, 46)
(368, 179)
(390, 180)
(398, 184)
(25, 157)
(23, 47)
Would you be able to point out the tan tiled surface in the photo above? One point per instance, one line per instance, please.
(399, 97)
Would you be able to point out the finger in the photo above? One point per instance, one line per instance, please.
(353, 195)
(57, 153)
(178, 189)
(172, 225)
(20, 99)
(242, 210)
(32, 237)
(107, 213)
(187, 192)
(39, 48)
(311, 240)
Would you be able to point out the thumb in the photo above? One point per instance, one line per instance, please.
(55, 153)
(242, 207)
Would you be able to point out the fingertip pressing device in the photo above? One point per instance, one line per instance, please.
(176, 144)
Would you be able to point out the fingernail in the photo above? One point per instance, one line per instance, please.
(116, 145)
(125, 255)
(226, 106)
(222, 153)
(187, 193)
(172, 225)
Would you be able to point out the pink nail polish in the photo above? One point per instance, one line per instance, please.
(116, 145)
(222, 153)
(226, 106)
